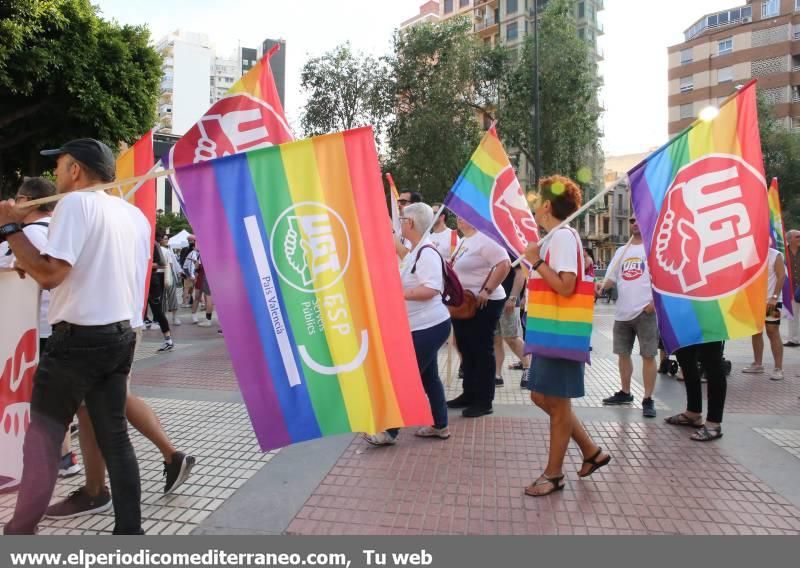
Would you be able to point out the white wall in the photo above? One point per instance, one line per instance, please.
(190, 97)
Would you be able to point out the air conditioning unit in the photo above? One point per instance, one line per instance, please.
(747, 19)
(479, 14)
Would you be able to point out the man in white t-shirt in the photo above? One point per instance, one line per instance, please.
(634, 318)
(87, 266)
(776, 275)
(443, 237)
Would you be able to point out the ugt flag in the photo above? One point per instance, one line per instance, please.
(298, 251)
(488, 196)
(701, 203)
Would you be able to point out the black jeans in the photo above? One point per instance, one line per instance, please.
(710, 355)
(80, 363)
(475, 340)
(155, 300)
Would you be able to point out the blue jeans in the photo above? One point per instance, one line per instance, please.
(427, 343)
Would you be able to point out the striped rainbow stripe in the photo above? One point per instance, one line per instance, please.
(777, 240)
(297, 247)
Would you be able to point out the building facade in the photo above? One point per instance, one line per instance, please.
(758, 40)
(278, 65)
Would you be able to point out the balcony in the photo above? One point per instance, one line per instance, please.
(622, 212)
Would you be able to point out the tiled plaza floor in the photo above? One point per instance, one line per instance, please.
(789, 440)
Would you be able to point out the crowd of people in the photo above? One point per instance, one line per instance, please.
(92, 320)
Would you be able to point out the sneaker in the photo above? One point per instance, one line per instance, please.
(204, 323)
(648, 408)
(380, 439)
(523, 383)
(476, 411)
(195, 319)
(69, 465)
(461, 372)
(791, 344)
(754, 369)
(620, 397)
(177, 321)
(431, 432)
(498, 381)
(515, 366)
(460, 401)
(148, 324)
(220, 331)
(80, 503)
(777, 375)
(73, 429)
(176, 472)
(168, 345)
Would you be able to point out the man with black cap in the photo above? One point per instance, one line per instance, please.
(87, 265)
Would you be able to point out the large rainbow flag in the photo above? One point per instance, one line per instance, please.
(489, 197)
(701, 203)
(777, 240)
(298, 250)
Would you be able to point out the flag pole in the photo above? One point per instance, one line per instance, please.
(136, 187)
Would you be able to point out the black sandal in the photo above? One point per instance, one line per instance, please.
(595, 464)
(555, 485)
(706, 434)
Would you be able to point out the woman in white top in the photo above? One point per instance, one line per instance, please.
(428, 317)
(481, 265)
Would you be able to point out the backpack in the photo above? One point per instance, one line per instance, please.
(453, 294)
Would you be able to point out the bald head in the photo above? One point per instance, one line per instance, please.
(793, 237)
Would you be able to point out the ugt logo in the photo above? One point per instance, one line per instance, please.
(711, 236)
(310, 246)
(234, 124)
(511, 213)
(16, 384)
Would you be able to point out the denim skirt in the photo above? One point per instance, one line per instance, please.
(560, 378)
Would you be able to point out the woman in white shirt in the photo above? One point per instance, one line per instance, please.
(481, 265)
(428, 317)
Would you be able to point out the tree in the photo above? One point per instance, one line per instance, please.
(345, 90)
(568, 83)
(67, 73)
(435, 127)
(781, 149)
(172, 223)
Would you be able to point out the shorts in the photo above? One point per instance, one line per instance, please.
(775, 320)
(644, 327)
(509, 325)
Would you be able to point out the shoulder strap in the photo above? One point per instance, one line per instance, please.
(36, 223)
(419, 252)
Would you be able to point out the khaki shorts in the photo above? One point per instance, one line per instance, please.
(644, 327)
(509, 325)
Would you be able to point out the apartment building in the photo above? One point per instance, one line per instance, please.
(428, 13)
(758, 40)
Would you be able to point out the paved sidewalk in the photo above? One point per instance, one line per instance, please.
(659, 481)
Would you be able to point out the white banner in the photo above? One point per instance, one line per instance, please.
(19, 355)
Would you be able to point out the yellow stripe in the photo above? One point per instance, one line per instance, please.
(305, 185)
(724, 130)
(487, 163)
(580, 315)
(125, 166)
(738, 316)
(494, 148)
(700, 140)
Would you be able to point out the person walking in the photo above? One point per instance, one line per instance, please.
(87, 266)
(156, 296)
(793, 265)
(553, 381)
(776, 275)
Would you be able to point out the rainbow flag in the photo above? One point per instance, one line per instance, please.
(298, 251)
(560, 327)
(136, 161)
(489, 197)
(777, 240)
(394, 197)
(701, 203)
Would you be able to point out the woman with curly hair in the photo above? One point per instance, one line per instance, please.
(557, 377)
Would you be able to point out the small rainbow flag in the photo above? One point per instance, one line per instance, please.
(298, 250)
(701, 203)
(777, 240)
(489, 197)
(395, 204)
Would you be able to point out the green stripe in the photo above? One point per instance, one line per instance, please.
(479, 179)
(712, 323)
(679, 153)
(559, 327)
(272, 189)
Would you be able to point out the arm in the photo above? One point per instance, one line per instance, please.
(562, 283)
(501, 270)
(516, 289)
(419, 293)
(399, 247)
(780, 276)
(49, 272)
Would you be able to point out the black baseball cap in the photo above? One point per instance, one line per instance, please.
(91, 153)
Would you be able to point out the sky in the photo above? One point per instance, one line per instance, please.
(637, 34)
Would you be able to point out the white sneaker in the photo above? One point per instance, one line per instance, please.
(754, 369)
(204, 323)
(777, 375)
(380, 439)
(177, 321)
(195, 319)
(431, 432)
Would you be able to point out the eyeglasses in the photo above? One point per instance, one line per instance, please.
(402, 201)
(632, 221)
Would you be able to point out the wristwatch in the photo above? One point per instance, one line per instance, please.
(9, 229)
(537, 264)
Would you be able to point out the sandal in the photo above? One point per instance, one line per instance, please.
(706, 434)
(556, 484)
(683, 419)
(595, 464)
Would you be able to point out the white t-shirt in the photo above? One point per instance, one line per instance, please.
(772, 277)
(561, 252)
(94, 233)
(474, 258)
(445, 242)
(428, 273)
(37, 235)
(142, 262)
(632, 278)
(190, 264)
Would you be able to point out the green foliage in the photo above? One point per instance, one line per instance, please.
(172, 223)
(781, 149)
(435, 127)
(345, 90)
(67, 73)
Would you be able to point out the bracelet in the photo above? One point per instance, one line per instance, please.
(537, 264)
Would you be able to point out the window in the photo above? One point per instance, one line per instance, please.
(581, 10)
(511, 6)
(511, 31)
(725, 74)
(796, 33)
(796, 119)
(686, 56)
(687, 83)
(770, 8)
(725, 46)
(448, 6)
(687, 111)
(582, 33)
(797, 5)
(463, 3)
